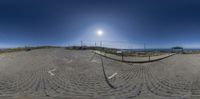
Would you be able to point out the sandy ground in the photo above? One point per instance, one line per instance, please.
(57, 73)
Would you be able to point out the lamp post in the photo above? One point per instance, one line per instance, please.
(99, 34)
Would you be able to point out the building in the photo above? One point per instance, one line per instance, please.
(177, 49)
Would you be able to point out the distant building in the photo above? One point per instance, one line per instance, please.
(177, 49)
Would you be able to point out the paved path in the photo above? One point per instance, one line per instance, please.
(78, 76)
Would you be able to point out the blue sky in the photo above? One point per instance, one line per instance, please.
(126, 23)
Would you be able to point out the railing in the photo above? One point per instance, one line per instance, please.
(130, 59)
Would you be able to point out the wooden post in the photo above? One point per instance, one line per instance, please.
(149, 57)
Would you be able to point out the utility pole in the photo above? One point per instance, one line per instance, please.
(68, 44)
(122, 56)
(81, 43)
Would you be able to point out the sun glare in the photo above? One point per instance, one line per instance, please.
(99, 32)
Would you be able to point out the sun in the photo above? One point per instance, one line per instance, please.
(99, 32)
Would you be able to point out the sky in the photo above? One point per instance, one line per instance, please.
(125, 23)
